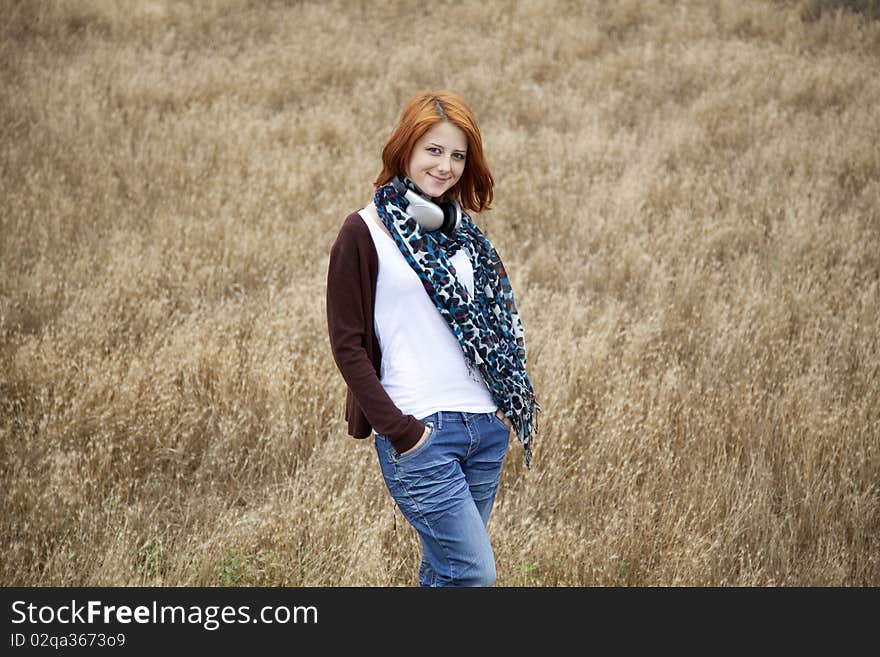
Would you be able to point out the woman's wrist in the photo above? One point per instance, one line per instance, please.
(422, 439)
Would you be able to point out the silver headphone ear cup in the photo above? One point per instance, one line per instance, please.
(429, 215)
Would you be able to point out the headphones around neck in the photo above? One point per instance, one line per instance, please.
(445, 217)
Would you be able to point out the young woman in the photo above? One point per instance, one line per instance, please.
(424, 329)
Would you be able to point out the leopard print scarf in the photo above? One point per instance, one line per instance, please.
(487, 324)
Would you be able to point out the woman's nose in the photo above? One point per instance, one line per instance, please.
(445, 164)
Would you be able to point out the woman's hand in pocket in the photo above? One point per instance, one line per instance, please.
(501, 416)
(424, 437)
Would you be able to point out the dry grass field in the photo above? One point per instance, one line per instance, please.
(688, 203)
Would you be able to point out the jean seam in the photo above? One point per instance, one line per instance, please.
(471, 446)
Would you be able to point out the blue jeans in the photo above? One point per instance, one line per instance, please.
(445, 488)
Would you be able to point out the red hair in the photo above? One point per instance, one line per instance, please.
(474, 190)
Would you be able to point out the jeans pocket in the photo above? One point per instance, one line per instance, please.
(406, 456)
(500, 422)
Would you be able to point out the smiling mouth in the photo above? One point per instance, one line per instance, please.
(438, 179)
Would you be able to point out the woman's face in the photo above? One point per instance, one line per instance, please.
(437, 160)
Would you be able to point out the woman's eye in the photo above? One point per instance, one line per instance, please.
(458, 156)
(434, 149)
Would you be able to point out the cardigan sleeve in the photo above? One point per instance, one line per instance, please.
(348, 290)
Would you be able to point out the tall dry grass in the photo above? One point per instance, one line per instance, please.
(687, 202)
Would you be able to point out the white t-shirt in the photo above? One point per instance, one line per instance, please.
(423, 367)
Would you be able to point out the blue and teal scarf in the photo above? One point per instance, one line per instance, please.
(487, 325)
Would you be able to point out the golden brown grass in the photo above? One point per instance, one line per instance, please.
(687, 202)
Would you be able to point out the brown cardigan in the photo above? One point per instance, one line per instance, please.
(351, 292)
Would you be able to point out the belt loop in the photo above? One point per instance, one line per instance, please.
(439, 420)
